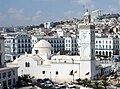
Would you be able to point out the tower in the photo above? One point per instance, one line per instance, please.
(87, 47)
(87, 18)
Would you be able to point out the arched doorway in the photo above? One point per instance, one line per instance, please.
(110, 53)
(99, 52)
(96, 52)
(103, 53)
(106, 53)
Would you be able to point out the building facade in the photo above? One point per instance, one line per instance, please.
(106, 46)
(16, 44)
(8, 74)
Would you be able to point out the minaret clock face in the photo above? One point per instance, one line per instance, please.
(84, 35)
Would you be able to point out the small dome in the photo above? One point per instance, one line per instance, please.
(42, 44)
(86, 13)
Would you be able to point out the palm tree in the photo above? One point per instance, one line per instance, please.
(85, 82)
(96, 84)
(104, 82)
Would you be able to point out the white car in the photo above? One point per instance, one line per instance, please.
(61, 85)
(48, 84)
(71, 86)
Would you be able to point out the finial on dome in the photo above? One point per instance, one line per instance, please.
(86, 10)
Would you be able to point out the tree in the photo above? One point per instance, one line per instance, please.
(41, 25)
(104, 82)
(19, 82)
(96, 85)
(62, 51)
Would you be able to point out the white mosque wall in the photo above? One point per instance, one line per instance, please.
(59, 72)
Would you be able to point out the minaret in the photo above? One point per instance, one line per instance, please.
(87, 47)
(87, 18)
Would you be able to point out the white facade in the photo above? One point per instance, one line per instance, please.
(71, 45)
(61, 32)
(16, 44)
(8, 75)
(87, 47)
(41, 64)
(107, 46)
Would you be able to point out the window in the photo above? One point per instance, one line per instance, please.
(13, 72)
(0, 76)
(9, 74)
(13, 80)
(56, 72)
(110, 46)
(27, 64)
(43, 72)
(99, 41)
(4, 84)
(4, 75)
(109, 41)
(9, 82)
(36, 51)
(106, 46)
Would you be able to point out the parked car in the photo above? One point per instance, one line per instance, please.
(48, 84)
(41, 82)
(61, 85)
(70, 86)
(55, 86)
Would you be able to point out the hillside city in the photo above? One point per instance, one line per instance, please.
(75, 53)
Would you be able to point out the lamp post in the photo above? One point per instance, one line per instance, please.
(50, 75)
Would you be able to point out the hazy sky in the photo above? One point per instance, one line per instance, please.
(32, 12)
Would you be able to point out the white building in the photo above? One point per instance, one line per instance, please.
(8, 74)
(57, 43)
(107, 46)
(16, 44)
(71, 45)
(95, 14)
(41, 64)
(87, 47)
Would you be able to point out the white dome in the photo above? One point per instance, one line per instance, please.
(42, 44)
(86, 14)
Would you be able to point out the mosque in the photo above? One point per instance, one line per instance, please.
(41, 64)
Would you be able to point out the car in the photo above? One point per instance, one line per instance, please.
(40, 82)
(61, 85)
(71, 86)
(118, 85)
(55, 86)
(48, 84)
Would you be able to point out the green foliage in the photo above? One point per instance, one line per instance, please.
(104, 82)
(19, 82)
(62, 51)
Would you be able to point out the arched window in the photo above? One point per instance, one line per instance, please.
(106, 53)
(96, 52)
(99, 52)
(110, 53)
(27, 64)
(103, 53)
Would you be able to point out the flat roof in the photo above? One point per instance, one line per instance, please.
(8, 68)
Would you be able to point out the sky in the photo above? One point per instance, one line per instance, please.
(34, 12)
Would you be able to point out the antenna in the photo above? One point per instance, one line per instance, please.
(84, 8)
